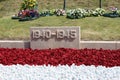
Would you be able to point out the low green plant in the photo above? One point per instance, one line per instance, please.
(47, 12)
(113, 13)
(88, 13)
(100, 11)
(57, 12)
(81, 13)
(52, 12)
(76, 13)
(118, 12)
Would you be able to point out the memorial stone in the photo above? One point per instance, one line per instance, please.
(54, 37)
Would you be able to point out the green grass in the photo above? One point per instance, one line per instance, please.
(92, 28)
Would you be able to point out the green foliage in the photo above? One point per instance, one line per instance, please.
(47, 12)
(114, 12)
(81, 13)
(57, 12)
(118, 12)
(76, 13)
(100, 11)
(88, 13)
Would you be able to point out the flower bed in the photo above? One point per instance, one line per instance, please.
(61, 56)
(59, 64)
(29, 11)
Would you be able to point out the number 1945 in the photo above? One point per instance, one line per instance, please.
(59, 34)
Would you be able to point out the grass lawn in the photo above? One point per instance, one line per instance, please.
(92, 28)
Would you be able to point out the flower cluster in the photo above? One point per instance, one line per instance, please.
(60, 12)
(28, 13)
(82, 13)
(76, 13)
(57, 12)
(61, 56)
(29, 4)
(114, 12)
(113, 8)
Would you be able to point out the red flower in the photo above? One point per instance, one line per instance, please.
(61, 56)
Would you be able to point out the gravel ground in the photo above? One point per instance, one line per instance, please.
(27, 72)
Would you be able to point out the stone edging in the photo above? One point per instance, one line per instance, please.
(100, 44)
(83, 44)
(14, 44)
